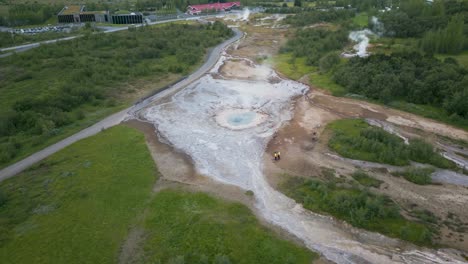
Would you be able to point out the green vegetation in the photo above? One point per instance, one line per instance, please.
(461, 58)
(325, 81)
(80, 205)
(291, 66)
(98, 74)
(361, 20)
(313, 44)
(188, 227)
(421, 176)
(76, 206)
(448, 40)
(29, 14)
(428, 111)
(355, 139)
(360, 208)
(7, 40)
(410, 77)
(365, 180)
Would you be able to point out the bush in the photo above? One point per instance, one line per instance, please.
(360, 208)
(3, 198)
(421, 176)
(328, 61)
(355, 139)
(315, 43)
(365, 180)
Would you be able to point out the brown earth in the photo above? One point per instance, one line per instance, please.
(304, 154)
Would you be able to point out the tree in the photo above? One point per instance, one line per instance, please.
(298, 3)
(328, 61)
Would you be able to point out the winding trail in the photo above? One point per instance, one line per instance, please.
(116, 118)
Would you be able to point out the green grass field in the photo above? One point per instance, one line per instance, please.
(361, 20)
(80, 204)
(324, 81)
(291, 68)
(77, 205)
(196, 228)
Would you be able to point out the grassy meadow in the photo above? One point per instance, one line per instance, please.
(186, 227)
(76, 206)
(81, 204)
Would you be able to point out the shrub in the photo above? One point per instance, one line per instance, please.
(421, 176)
(365, 180)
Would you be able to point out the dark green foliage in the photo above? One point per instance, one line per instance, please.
(365, 180)
(410, 77)
(29, 14)
(415, 17)
(355, 139)
(315, 43)
(298, 3)
(421, 176)
(275, 9)
(317, 16)
(358, 207)
(54, 83)
(423, 152)
(448, 40)
(3, 198)
(327, 62)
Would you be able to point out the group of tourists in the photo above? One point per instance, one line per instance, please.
(277, 155)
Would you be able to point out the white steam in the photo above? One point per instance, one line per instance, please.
(362, 39)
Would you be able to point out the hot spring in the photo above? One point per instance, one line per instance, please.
(237, 119)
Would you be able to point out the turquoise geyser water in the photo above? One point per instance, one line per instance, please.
(237, 119)
(241, 119)
(225, 125)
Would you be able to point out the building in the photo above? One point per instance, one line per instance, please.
(132, 18)
(198, 9)
(79, 14)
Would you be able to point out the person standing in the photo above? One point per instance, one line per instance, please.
(278, 154)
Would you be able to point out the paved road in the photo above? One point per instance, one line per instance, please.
(117, 118)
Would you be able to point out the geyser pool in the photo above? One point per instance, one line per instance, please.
(241, 119)
(236, 119)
